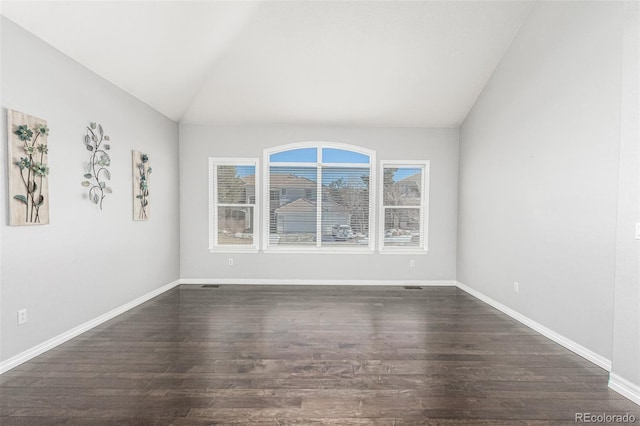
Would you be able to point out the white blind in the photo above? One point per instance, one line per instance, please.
(319, 204)
(293, 201)
(234, 209)
(403, 206)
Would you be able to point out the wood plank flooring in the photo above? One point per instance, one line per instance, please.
(287, 355)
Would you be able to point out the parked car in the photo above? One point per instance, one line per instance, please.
(342, 232)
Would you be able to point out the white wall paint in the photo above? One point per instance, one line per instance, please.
(539, 164)
(626, 319)
(197, 143)
(86, 262)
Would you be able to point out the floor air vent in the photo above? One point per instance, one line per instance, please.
(412, 287)
(211, 286)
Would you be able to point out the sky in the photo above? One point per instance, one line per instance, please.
(329, 155)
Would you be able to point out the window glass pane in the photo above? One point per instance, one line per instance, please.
(402, 227)
(236, 184)
(235, 225)
(302, 155)
(345, 206)
(292, 205)
(333, 212)
(333, 155)
(402, 186)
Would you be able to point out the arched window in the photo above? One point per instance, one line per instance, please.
(320, 197)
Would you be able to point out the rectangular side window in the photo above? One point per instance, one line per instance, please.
(404, 206)
(233, 210)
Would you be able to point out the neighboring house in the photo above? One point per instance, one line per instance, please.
(411, 187)
(300, 216)
(283, 189)
(293, 205)
(405, 192)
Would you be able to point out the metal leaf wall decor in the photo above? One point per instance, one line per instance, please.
(28, 169)
(141, 173)
(97, 173)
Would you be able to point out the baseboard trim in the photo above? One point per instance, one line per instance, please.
(587, 354)
(616, 383)
(252, 281)
(76, 331)
(625, 388)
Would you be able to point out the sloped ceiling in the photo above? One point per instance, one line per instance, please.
(369, 63)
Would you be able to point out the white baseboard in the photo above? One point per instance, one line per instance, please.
(76, 331)
(589, 355)
(252, 281)
(616, 383)
(625, 388)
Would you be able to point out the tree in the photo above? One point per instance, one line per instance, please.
(231, 189)
(399, 193)
(354, 197)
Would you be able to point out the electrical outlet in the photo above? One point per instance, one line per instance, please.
(412, 263)
(231, 261)
(516, 287)
(637, 231)
(22, 316)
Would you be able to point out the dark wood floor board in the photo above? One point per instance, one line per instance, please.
(299, 355)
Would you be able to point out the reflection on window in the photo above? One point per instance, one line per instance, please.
(233, 209)
(320, 205)
(404, 189)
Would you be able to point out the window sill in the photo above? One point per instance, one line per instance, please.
(315, 251)
(233, 250)
(403, 251)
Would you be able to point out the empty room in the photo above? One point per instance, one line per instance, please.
(319, 212)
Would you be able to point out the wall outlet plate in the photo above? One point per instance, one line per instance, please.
(22, 316)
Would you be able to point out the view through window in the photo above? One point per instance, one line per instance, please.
(319, 197)
(404, 205)
(234, 204)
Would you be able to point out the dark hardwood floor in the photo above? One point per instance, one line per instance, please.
(282, 355)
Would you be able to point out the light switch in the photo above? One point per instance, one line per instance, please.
(637, 231)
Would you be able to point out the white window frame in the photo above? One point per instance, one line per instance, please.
(318, 248)
(424, 207)
(213, 205)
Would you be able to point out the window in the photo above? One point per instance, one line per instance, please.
(404, 206)
(232, 206)
(320, 197)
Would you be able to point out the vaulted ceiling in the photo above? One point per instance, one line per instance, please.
(369, 63)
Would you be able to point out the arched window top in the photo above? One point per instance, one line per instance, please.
(319, 153)
(320, 197)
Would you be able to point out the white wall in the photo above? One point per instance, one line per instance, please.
(85, 262)
(197, 143)
(626, 320)
(539, 173)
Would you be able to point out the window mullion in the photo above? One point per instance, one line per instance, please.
(319, 206)
(408, 221)
(234, 181)
(331, 204)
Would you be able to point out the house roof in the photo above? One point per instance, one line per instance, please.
(302, 205)
(415, 179)
(282, 181)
